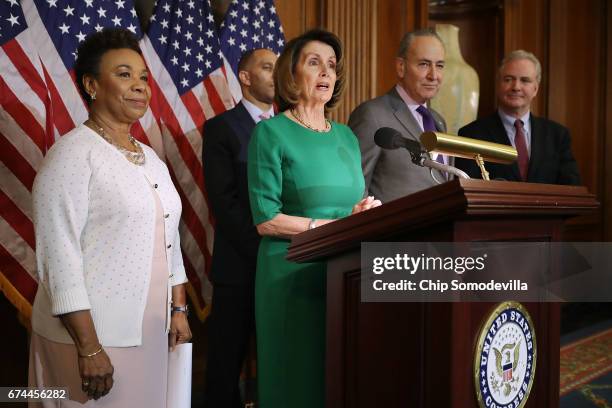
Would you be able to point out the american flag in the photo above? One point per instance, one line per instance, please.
(182, 51)
(39, 102)
(248, 24)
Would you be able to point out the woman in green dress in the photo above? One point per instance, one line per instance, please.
(304, 172)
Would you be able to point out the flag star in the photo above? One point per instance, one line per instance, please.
(64, 28)
(116, 21)
(257, 12)
(177, 28)
(280, 42)
(256, 24)
(164, 23)
(89, 3)
(232, 27)
(273, 10)
(85, 19)
(133, 13)
(101, 12)
(98, 27)
(245, 20)
(208, 64)
(187, 51)
(208, 49)
(132, 28)
(199, 72)
(261, 4)
(255, 38)
(209, 33)
(234, 13)
(191, 5)
(174, 60)
(243, 32)
(185, 67)
(153, 18)
(270, 37)
(13, 3)
(166, 8)
(52, 3)
(201, 42)
(69, 11)
(120, 4)
(189, 19)
(271, 23)
(245, 5)
(163, 39)
(231, 41)
(243, 47)
(179, 13)
(13, 20)
(184, 82)
(220, 54)
(210, 18)
(200, 57)
(175, 44)
(188, 35)
(200, 26)
(81, 36)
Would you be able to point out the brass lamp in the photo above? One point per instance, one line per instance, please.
(468, 148)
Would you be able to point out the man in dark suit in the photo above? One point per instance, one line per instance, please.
(224, 156)
(543, 146)
(419, 65)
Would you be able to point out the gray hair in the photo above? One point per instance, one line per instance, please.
(409, 37)
(523, 55)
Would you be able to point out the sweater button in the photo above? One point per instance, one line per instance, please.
(155, 185)
(166, 215)
(169, 246)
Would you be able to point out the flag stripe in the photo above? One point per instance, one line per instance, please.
(12, 158)
(17, 219)
(24, 118)
(61, 117)
(17, 275)
(21, 141)
(15, 190)
(28, 72)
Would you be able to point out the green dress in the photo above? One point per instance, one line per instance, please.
(296, 171)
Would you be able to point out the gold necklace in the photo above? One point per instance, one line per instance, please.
(137, 157)
(297, 116)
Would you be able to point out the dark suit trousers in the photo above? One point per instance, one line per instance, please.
(230, 325)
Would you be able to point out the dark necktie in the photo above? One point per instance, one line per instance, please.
(429, 125)
(520, 143)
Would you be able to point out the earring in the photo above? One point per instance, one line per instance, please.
(93, 96)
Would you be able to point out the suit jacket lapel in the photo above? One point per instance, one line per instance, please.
(243, 119)
(537, 139)
(403, 115)
(499, 133)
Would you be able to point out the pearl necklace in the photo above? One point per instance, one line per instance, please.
(137, 157)
(297, 116)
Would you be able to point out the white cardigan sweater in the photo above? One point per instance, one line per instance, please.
(94, 217)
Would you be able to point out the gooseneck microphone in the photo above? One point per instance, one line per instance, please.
(389, 138)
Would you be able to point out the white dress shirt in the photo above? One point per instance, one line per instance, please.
(508, 122)
(255, 112)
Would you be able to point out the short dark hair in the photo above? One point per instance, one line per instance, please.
(409, 37)
(90, 52)
(246, 57)
(287, 92)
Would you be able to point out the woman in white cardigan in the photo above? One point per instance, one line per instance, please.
(106, 215)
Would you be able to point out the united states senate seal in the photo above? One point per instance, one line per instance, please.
(505, 357)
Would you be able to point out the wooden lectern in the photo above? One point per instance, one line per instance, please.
(421, 354)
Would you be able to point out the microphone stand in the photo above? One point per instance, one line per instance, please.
(422, 159)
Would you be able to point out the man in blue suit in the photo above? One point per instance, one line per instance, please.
(224, 156)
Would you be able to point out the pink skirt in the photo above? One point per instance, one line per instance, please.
(140, 376)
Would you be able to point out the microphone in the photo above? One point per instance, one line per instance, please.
(389, 138)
